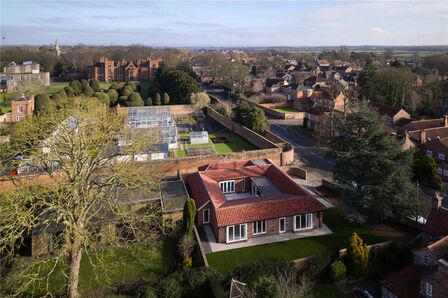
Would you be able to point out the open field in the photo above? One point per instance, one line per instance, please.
(117, 266)
(226, 261)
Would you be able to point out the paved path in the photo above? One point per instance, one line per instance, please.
(214, 246)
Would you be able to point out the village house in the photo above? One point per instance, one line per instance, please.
(273, 85)
(243, 200)
(428, 274)
(20, 108)
(23, 77)
(394, 116)
(433, 142)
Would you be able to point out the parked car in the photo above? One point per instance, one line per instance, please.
(361, 293)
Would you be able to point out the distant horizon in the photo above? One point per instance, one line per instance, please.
(225, 24)
(226, 47)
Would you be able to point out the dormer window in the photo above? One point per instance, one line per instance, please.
(441, 156)
(428, 289)
(227, 186)
(20, 109)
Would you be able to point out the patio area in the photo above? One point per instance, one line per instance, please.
(209, 244)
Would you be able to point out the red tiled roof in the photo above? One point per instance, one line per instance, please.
(322, 94)
(235, 173)
(426, 123)
(292, 200)
(317, 110)
(439, 248)
(404, 283)
(437, 223)
(383, 109)
(197, 189)
(267, 207)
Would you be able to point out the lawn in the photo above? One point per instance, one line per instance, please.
(235, 144)
(115, 267)
(326, 290)
(286, 110)
(226, 261)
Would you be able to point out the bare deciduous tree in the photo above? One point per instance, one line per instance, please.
(87, 186)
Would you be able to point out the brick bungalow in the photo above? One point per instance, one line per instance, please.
(242, 200)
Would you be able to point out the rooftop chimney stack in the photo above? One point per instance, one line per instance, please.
(445, 121)
(422, 136)
(437, 201)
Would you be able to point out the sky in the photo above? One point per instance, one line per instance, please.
(228, 23)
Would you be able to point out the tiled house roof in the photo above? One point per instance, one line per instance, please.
(383, 109)
(292, 199)
(437, 223)
(404, 283)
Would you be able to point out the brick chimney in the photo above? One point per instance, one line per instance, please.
(445, 121)
(422, 136)
(437, 200)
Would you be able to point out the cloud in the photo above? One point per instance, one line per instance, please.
(377, 29)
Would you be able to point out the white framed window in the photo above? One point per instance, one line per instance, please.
(20, 109)
(227, 186)
(428, 152)
(445, 172)
(236, 233)
(441, 156)
(18, 118)
(259, 227)
(255, 191)
(282, 225)
(428, 289)
(206, 216)
(439, 170)
(303, 222)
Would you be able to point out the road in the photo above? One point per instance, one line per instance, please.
(309, 153)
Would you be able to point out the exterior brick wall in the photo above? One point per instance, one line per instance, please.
(272, 228)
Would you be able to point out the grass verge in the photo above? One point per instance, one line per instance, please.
(225, 261)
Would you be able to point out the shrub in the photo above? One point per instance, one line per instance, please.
(166, 99)
(95, 85)
(62, 93)
(84, 84)
(103, 97)
(113, 96)
(88, 91)
(188, 217)
(115, 86)
(224, 109)
(131, 85)
(319, 263)
(157, 100)
(170, 288)
(187, 262)
(135, 100)
(76, 86)
(250, 273)
(358, 256)
(338, 271)
(126, 91)
(41, 103)
(266, 287)
(148, 101)
(200, 99)
(69, 91)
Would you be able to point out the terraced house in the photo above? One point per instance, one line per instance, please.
(243, 200)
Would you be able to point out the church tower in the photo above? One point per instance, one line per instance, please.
(57, 51)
